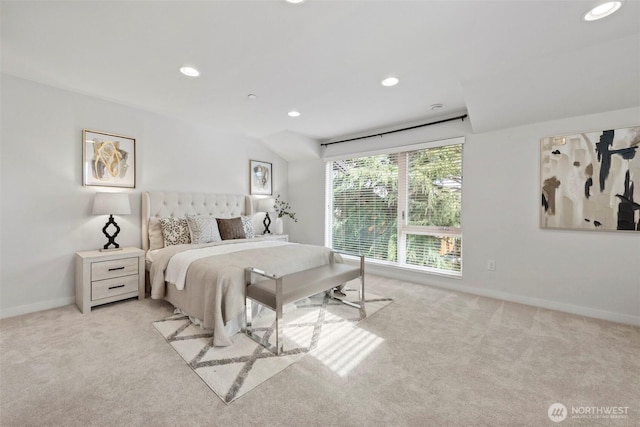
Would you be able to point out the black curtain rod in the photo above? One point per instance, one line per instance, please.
(464, 116)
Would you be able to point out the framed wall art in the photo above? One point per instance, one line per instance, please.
(260, 178)
(591, 181)
(108, 160)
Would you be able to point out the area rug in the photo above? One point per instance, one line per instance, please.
(318, 326)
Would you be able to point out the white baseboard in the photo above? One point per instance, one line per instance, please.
(400, 274)
(39, 306)
(419, 278)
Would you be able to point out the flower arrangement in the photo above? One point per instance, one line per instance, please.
(284, 209)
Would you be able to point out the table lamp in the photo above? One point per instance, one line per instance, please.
(111, 204)
(266, 205)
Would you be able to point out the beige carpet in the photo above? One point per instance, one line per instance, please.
(323, 327)
(446, 359)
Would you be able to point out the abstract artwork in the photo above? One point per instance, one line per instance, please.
(108, 160)
(588, 181)
(260, 177)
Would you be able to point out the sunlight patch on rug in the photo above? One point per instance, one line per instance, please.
(324, 328)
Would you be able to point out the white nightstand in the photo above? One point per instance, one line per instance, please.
(283, 237)
(103, 277)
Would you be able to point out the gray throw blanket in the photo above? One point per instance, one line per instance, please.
(215, 285)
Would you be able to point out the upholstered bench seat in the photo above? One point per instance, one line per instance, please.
(275, 292)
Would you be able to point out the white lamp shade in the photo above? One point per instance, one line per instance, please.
(111, 204)
(266, 205)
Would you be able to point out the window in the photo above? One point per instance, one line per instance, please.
(399, 208)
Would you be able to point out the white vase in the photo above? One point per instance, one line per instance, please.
(278, 227)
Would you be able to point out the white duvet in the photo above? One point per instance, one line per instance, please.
(176, 271)
(213, 275)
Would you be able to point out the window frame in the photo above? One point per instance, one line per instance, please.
(404, 229)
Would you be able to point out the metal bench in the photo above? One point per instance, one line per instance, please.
(279, 291)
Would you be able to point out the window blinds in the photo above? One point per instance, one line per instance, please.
(403, 208)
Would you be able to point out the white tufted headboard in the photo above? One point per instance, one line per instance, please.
(160, 204)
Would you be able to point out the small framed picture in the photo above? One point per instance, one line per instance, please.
(260, 178)
(108, 160)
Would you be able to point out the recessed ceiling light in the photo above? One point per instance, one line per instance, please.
(295, 1)
(390, 81)
(252, 96)
(436, 106)
(189, 71)
(602, 10)
(293, 113)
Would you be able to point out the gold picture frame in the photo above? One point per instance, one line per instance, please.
(108, 160)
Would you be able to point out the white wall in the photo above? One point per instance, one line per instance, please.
(593, 273)
(45, 211)
(306, 184)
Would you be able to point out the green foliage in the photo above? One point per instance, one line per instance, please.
(365, 200)
(283, 208)
(435, 180)
(434, 251)
(365, 203)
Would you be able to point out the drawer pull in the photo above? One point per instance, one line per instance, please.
(116, 287)
(116, 268)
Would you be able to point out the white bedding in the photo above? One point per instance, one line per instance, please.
(176, 271)
(213, 276)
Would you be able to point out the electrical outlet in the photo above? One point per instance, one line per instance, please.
(491, 265)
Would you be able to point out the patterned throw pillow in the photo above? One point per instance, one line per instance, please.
(247, 224)
(231, 228)
(175, 231)
(203, 229)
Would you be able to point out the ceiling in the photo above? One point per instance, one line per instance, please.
(505, 62)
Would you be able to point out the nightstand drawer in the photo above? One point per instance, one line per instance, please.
(110, 287)
(116, 268)
(105, 277)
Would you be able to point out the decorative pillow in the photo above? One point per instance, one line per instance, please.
(203, 229)
(231, 228)
(175, 231)
(247, 225)
(156, 241)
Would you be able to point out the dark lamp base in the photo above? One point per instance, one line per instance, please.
(111, 237)
(267, 223)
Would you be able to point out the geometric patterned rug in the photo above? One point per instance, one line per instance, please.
(317, 326)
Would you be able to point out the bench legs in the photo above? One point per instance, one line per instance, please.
(360, 303)
(248, 327)
(278, 348)
(263, 340)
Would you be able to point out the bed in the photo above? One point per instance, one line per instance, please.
(205, 279)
